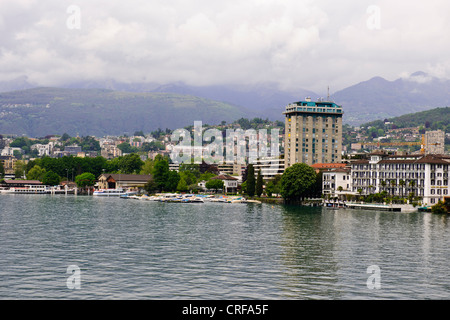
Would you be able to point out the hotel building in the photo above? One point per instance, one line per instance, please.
(313, 132)
(399, 175)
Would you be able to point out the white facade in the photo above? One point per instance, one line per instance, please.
(270, 167)
(336, 182)
(424, 176)
(43, 149)
(9, 151)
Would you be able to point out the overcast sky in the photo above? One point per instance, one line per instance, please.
(294, 43)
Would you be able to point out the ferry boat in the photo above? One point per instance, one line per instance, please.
(27, 189)
(112, 193)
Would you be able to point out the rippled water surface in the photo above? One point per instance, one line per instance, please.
(128, 249)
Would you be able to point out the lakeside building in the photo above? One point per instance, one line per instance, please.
(125, 181)
(230, 183)
(313, 132)
(270, 167)
(336, 182)
(400, 175)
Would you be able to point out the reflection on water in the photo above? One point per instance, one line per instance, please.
(327, 253)
(148, 250)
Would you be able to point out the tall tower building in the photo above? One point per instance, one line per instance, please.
(313, 132)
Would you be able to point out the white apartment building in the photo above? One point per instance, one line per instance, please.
(336, 182)
(44, 149)
(423, 175)
(270, 167)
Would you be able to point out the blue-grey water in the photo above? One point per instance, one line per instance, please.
(129, 249)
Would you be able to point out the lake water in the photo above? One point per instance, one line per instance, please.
(129, 249)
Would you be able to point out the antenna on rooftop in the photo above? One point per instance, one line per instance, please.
(328, 96)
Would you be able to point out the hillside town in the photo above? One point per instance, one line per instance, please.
(398, 164)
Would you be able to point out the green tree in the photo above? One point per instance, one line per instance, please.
(89, 144)
(215, 184)
(274, 185)
(50, 178)
(383, 183)
(160, 172)
(412, 184)
(188, 177)
(173, 178)
(2, 170)
(20, 169)
(182, 185)
(151, 186)
(152, 146)
(393, 184)
(86, 179)
(20, 142)
(296, 182)
(36, 173)
(65, 137)
(401, 183)
(251, 183)
(259, 184)
(127, 148)
(130, 163)
(147, 168)
(439, 208)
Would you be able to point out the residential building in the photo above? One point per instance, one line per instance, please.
(9, 164)
(72, 150)
(400, 175)
(230, 183)
(110, 151)
(231, 168)
(313, 132)
(270, 167)
(336, 181)
(126, 181)
(43, 149)
(9, 151)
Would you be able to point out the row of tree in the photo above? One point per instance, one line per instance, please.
(296, 183)
(186, 179)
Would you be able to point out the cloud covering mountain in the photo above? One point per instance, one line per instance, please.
(293, 43)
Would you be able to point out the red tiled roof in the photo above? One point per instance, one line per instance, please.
(328, 165)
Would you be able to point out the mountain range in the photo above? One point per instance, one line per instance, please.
(376, 98)
(42, 111)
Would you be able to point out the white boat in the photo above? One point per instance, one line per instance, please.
(252, 201)
(27, 189)
(111, 193)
